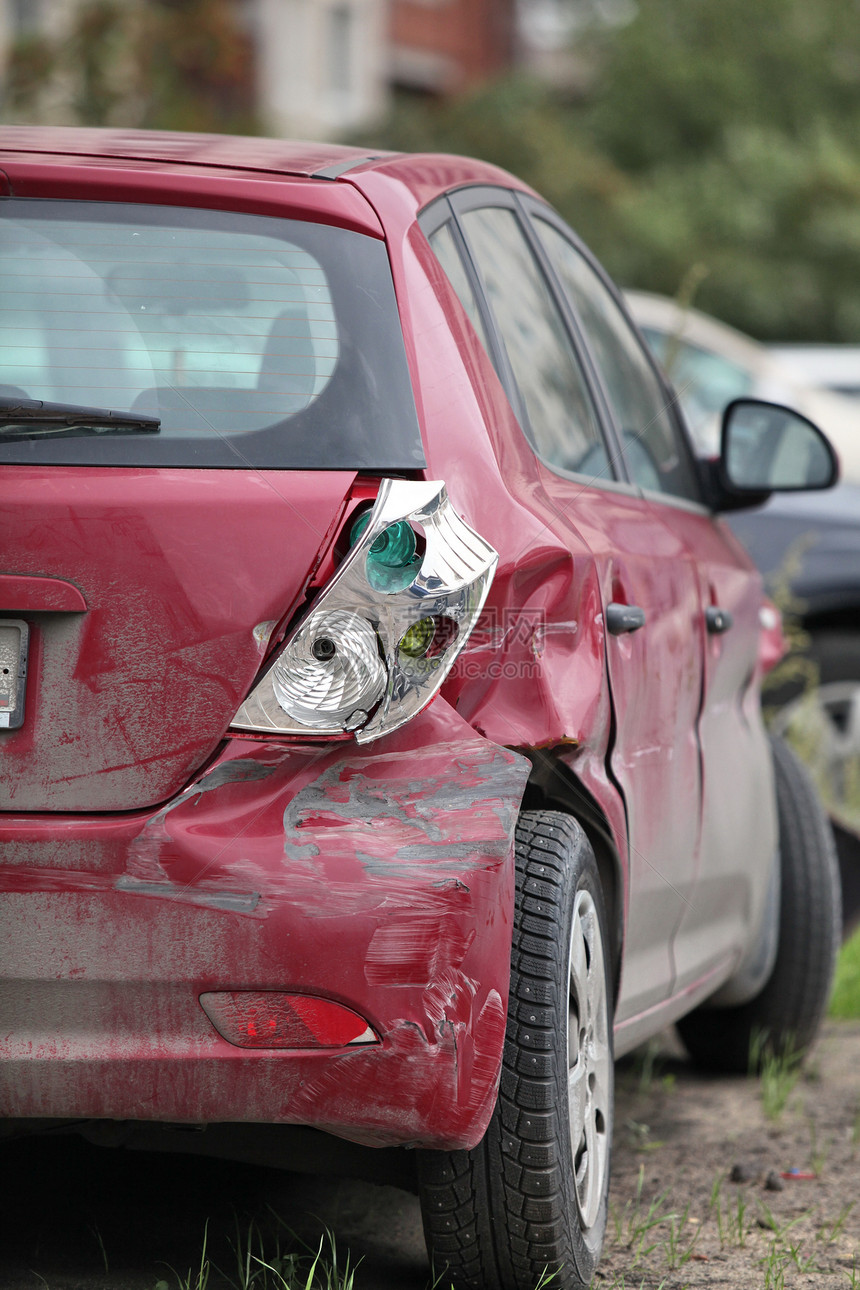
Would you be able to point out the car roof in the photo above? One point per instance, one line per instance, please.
(215, 158)
(279, 156)
(425, 175)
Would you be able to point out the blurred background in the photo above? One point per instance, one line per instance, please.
(707, 148)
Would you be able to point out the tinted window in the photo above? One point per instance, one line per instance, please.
(445, 250)
(256, 341)
(561, 417)
(652, 446)
(705, 382)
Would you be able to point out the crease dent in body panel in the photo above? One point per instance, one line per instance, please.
(145, 874)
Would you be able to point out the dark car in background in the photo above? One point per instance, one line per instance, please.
(806, 545)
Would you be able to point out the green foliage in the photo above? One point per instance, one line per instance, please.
(149, 63)
(712, 133)
(680, 78)
(778, 1069)
(845, 1000)
(520, 124)
(197, 66)
(31, 65)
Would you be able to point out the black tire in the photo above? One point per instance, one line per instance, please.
(785, 1016)
(525, 1199)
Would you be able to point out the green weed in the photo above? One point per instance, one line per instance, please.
(737, 1221)
(192, 1281)
(778, 1074)
(818, 1151)
(731, 1223)
(634, 1228)
(801, 1262)
(640, 1136)
(716, 1204)
(774, 1267)
(260, 1264)
(677, 1252)
(97, 1234)
(831, 1232)
(768, 1220)
(845, 999)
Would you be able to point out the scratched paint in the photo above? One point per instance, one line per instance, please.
(338, 871)
(127, 700)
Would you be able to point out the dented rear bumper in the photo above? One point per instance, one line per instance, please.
(380, 878)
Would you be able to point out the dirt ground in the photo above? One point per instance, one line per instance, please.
(705, 1151)
(75, 1217)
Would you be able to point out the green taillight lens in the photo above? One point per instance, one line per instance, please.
(393, 561)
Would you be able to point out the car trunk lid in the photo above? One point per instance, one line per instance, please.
(180, 577)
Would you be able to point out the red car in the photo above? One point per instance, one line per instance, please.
(380, 694)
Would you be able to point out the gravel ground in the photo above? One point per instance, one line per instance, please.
(695, 1166)
(705, 1151)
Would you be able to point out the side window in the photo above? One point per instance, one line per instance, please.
(705, 382)
(562, 419)
(445, 250)
(655, 455)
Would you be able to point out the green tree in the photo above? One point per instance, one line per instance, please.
(685, 73)
(167, 64)
(715, 136)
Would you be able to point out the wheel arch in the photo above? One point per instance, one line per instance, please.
(552, 785)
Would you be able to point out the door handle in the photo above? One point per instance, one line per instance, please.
(624, 618)
(717, 620)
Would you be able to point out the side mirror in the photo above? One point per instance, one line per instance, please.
(767, 448)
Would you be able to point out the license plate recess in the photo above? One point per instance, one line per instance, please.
(14, 639)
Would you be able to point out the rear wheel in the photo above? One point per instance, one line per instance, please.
(533, 1194)
(785, 1016)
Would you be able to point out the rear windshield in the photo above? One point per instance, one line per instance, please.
(258, 342)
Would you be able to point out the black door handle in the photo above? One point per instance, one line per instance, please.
(624, 618)
(717, 620)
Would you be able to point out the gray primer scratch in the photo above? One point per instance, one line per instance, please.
(368, 800)
(235, 902)
(497, 848)
(241, 770)
(351, 799)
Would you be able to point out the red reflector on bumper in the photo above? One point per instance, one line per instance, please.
(269, 1019)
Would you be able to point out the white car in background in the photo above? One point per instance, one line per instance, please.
(710, 364)
(835, 367)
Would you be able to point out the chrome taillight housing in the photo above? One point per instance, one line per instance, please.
(384, 633)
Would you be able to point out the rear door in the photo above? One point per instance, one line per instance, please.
(152, 561)
(655, 669)
(737, 837)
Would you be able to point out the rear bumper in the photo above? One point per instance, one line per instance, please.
(380, 878)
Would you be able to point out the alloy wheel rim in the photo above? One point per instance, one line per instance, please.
(588, 1065)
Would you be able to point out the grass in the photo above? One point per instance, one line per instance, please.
(845, 999)
(778, 1074)
(262, 1264)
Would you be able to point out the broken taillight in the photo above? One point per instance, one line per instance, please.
(385, 631)
(270, 1019)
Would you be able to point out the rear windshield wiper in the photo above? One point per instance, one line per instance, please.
(28, 418)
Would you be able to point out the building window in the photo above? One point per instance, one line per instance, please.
(25, 16)
(341, 22)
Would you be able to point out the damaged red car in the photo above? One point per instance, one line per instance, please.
(379, 713)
